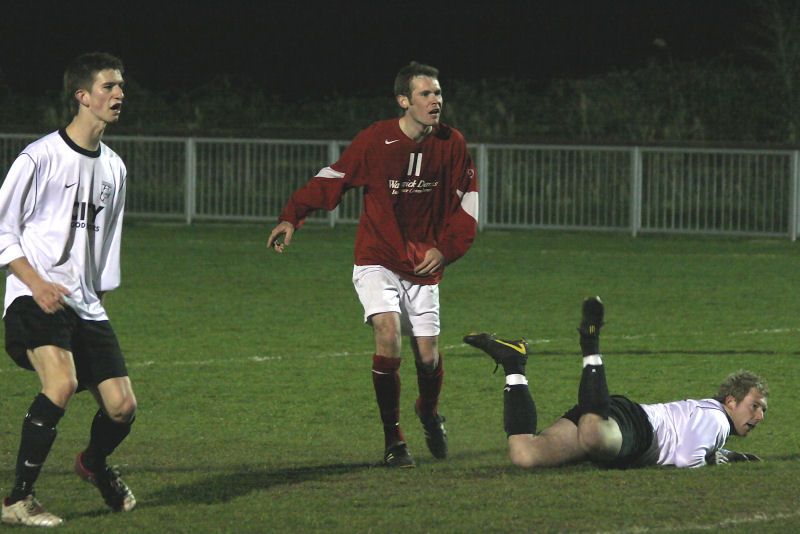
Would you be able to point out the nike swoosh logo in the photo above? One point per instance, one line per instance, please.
(390, 142)
(28, 464)
(70, 185)
(519, 348)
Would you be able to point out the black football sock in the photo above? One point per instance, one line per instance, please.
(38, 435)
(105, 436)
(590, 343)
(519, 410)
(593, 394)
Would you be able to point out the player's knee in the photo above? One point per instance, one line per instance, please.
(387, 349)
(387, 342)
(521, 455)
(523, 460)
(123, 411)
(428, 361)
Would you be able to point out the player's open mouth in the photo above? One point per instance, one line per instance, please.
(117, 106)
(435, 111)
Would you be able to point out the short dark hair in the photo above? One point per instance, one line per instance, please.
(80, 74)
(402, 82)
(739, 384)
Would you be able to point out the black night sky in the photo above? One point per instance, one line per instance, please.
(318, 48)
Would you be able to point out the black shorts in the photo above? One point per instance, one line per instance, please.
(94, 346)
(637, 432)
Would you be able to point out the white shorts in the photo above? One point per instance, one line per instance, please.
(381, 290)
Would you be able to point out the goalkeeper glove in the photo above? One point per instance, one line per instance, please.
(723, 456)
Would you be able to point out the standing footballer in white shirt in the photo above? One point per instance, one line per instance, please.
(61, 208)
(612, 430)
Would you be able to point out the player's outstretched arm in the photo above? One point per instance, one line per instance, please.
(284, 229)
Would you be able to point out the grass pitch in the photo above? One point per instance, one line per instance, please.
(257, 414)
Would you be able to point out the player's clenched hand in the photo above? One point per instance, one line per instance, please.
(49, 296)
(716, 458)
(433, 261)
(285, 229)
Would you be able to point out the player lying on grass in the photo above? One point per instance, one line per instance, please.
(613, 431)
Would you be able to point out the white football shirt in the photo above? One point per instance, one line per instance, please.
(61, 208)
(685, 431)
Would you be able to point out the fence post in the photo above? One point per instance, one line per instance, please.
(483, 179)
(333, 157)
(794, 198)
(636, 190)
(190, 185)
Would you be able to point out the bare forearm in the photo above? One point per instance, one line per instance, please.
(48, 295)
(22, 269)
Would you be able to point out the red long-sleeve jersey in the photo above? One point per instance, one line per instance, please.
(416, 196)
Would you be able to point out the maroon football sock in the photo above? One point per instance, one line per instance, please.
(387, 392)
(430, 385)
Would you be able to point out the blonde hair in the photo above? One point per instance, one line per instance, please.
(739, 384)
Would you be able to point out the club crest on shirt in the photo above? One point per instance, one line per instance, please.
(105, 191)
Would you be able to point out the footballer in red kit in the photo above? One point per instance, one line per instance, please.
(420, 211)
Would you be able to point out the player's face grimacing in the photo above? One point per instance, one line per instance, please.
(425, 104)
(747, 413)
(106, 96)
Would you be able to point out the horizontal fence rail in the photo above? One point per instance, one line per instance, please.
(631, 189)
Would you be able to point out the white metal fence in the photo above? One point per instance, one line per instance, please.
(633, 189)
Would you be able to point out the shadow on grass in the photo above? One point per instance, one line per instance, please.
(235, 483)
